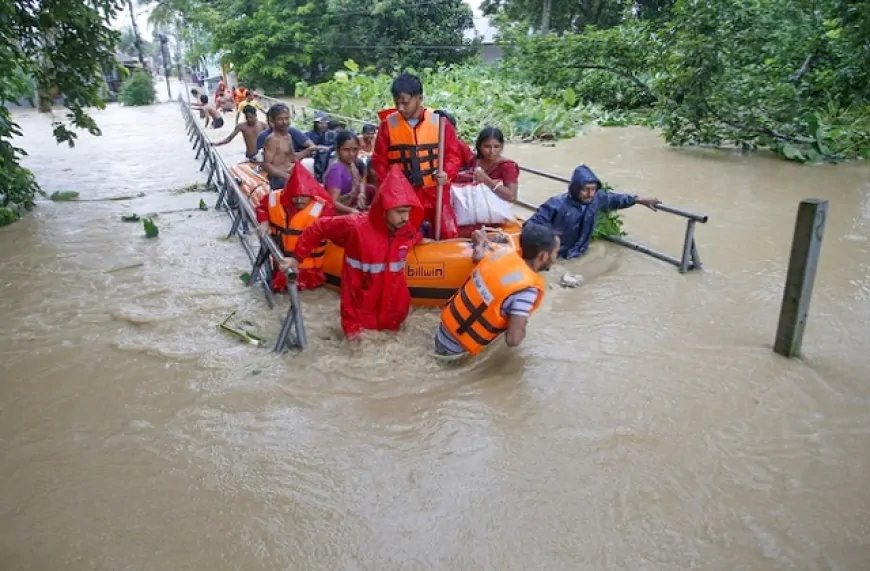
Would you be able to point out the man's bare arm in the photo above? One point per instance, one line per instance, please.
(516, 331)
(229, 137)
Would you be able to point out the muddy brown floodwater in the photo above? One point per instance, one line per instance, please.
(644, 423)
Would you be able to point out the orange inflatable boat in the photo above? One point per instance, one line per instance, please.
(253, 184)
(435, 270)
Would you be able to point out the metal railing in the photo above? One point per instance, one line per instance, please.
(235, 203)
(688, 260)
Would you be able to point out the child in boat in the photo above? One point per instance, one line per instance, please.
(285, 214)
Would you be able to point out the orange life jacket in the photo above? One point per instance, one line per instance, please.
(415, 150)
(291, 229)
(473, 315)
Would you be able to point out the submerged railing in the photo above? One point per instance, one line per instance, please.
(688, 260)
(235, 203)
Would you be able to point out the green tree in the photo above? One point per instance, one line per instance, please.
(398, 34)
(565, 15)
(63, 45)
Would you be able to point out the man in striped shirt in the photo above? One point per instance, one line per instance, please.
(539, 246)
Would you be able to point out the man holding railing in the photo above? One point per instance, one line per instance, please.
(573, 214)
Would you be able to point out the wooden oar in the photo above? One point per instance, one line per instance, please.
(439, 193)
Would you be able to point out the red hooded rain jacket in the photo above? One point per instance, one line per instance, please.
(374, 291)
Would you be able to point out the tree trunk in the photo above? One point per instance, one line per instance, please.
(545, 16)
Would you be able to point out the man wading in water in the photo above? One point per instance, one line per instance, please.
(278, 155)
(250, 130)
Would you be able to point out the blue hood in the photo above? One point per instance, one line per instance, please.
(582, 176)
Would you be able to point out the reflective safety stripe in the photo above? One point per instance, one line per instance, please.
(373, 268)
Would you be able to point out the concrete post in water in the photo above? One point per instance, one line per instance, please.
(804, 260)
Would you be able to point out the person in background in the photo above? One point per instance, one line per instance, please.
(374, 289)
(286, 214)
(278, 151)
(212, 115)
(367, 141)
(343, 179)
(317, 134)
(226, 102)
(249, 101)
(195, 93)
(467, 153)
(498, 298)
(250, 131)
(573, 214)
(408, 137)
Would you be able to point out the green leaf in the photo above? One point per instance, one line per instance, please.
(130, 218)
(151, 230)
(792, 153)
(64, 195)
(245, 277)
(202, 204)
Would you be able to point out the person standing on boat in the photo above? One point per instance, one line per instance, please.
(374, 290)
(343, 178)
(286, 214)
(408, 137)
(503, 291)
(573, 214)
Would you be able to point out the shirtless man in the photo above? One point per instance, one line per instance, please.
(278, 154)
(211, 113)
(250, 130)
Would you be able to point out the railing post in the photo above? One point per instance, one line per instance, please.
(804, 260)
(688, 241)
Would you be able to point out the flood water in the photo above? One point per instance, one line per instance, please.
(643, 424)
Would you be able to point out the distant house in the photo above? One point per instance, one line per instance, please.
(486, 33)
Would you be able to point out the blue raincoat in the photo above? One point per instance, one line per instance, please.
(573, 220)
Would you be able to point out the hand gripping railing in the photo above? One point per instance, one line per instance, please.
(233, 200)
(689, 260)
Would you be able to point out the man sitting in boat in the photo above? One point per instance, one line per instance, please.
(279, 149)
(502, 292)
(573, 214)
(374, 290)
(301, 143)
(317, 134)
(286, 214)
(250, 130)
(408, 137)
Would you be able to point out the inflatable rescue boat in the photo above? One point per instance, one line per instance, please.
(434, 270)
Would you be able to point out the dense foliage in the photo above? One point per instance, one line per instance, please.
(791, 76)
(63, 45)
(138, 89)
(478, 95)
(273, 44)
